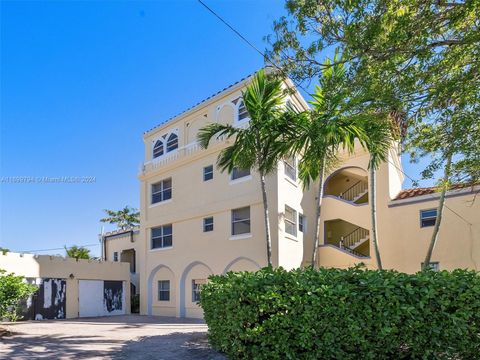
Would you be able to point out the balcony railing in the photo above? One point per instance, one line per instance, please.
(353, 239)
(355, 191)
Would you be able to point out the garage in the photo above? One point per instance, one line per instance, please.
(101, 298)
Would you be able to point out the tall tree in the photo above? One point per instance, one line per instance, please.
(321, 133)
(124, 219)
(380, 133)
(420, 56)
(77, 252)
(253, 147)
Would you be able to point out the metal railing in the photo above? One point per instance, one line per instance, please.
(353, 192)
(350, 240)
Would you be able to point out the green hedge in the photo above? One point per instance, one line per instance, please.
(344, 314)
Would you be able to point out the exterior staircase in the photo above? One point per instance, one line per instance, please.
(353, 240)
(355, 192)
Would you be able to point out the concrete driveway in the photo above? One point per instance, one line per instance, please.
(115, 337)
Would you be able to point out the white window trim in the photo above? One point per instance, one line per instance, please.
(240, 236)
(294, 183)
(240, 180)
(160, 203)
(295, 223)
(213, 224)
(237, 113)
(161, 249)
(164, 142)
(152, 193)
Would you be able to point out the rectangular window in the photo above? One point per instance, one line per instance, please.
(162, 236)
(115, 256)
(428, 217)
(302, 223)
(290, 221)
(238, 173)
(208, 173)
(290, 165)
(435, 266)
(162, 191)
(208, 224)
(164, 290)
(241, 221)
(196, 284)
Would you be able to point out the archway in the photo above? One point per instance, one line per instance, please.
(196, 268)
(150, 285)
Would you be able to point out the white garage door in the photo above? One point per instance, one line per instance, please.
(90, 297)
(101, 298)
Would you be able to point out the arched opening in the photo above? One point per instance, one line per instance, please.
(160, 281)
(192, 278)
(348, 237)
(172, 142)
(349, 184)
(158, 149)
(242, 264)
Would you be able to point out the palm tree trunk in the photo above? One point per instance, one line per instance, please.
(316, 238)
(373, 213)
(441, 205)
(267, 219)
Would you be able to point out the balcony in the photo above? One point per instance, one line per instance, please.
(348, 237)
(348, 184)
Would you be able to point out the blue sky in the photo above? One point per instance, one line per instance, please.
(82, 81)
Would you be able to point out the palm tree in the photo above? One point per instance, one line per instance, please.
(318, 135)
(77, 252)
(126, 218)
(254, 147)
(380, 133)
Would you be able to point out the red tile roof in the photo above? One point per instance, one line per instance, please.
(409, 193)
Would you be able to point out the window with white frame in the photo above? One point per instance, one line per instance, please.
(290, 164)
(241, 221)
(196, 285)
(302, 223)
(208, 173)
(162, 191)
(164, 290)
(172, 142)
(428, 217)
(158, 149)
(242, 111)
(115, 256)
(290, 221)
(162, 237)
(208, 224)
(238, 173)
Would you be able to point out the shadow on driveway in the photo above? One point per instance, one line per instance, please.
(184, 346)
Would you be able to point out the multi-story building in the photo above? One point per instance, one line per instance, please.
(197, 221)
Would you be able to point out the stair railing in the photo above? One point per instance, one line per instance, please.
(353, 191)
(349, 240)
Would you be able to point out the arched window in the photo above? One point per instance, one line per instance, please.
(158, 149)
(242, 111)
(172, 142)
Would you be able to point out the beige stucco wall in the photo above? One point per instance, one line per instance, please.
(45, 266)
(196, 255)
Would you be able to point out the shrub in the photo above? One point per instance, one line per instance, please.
(13, 289)
(344, 314)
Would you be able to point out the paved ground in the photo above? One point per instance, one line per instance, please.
(115, 337)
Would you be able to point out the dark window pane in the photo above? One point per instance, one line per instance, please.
(239, 173)
(167, 230)
(167, 194)
(167, 241)
(172, 142)
(208, 173)
(158, 149)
